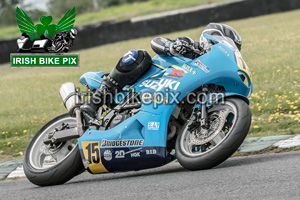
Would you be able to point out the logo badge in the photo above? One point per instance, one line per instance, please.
(40, 44)
(107, 155)
(153, 126)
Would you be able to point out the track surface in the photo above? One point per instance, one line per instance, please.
(270, 176)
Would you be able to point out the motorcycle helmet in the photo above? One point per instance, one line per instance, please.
(220, 30)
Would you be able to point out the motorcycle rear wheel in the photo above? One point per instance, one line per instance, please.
(231, 122)
(46, 165)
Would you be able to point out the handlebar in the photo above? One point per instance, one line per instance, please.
(193, 50)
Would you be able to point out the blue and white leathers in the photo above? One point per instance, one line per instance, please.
(140, 141)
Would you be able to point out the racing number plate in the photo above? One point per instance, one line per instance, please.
(92, 154)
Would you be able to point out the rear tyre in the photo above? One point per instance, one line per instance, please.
(46, 165)
(204, 149)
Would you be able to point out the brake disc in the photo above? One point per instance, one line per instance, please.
(203, 136)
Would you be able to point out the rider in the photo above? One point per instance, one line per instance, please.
(135, 63)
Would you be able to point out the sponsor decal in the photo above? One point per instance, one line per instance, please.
(122, 143)
(150, 151)
(120, 154)
(153, 126)
(107, 155)
(179, 68)
(189, 69)
(176, 73)
(202, 66)
(160, 84)
(135, 158)
(135, 155)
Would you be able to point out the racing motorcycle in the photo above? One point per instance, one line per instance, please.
(195, 111)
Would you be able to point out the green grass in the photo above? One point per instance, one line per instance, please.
(127, 11)
(122, 12)
(29, 97)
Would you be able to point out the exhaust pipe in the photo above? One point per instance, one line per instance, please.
(70, 97)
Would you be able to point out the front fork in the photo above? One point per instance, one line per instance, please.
(199, 118)
(203, 119)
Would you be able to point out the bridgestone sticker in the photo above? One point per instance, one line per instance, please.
(121, 143)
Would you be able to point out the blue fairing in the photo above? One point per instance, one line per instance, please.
(92, 79)
(142, 137)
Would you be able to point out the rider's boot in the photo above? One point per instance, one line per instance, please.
(102, 95)
(93, 104)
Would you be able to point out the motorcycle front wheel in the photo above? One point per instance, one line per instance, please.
(51, 164)
(204, 148)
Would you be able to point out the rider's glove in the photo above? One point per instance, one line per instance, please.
(179, 48)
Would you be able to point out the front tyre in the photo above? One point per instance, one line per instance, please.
(229, 124)
(51, 164)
